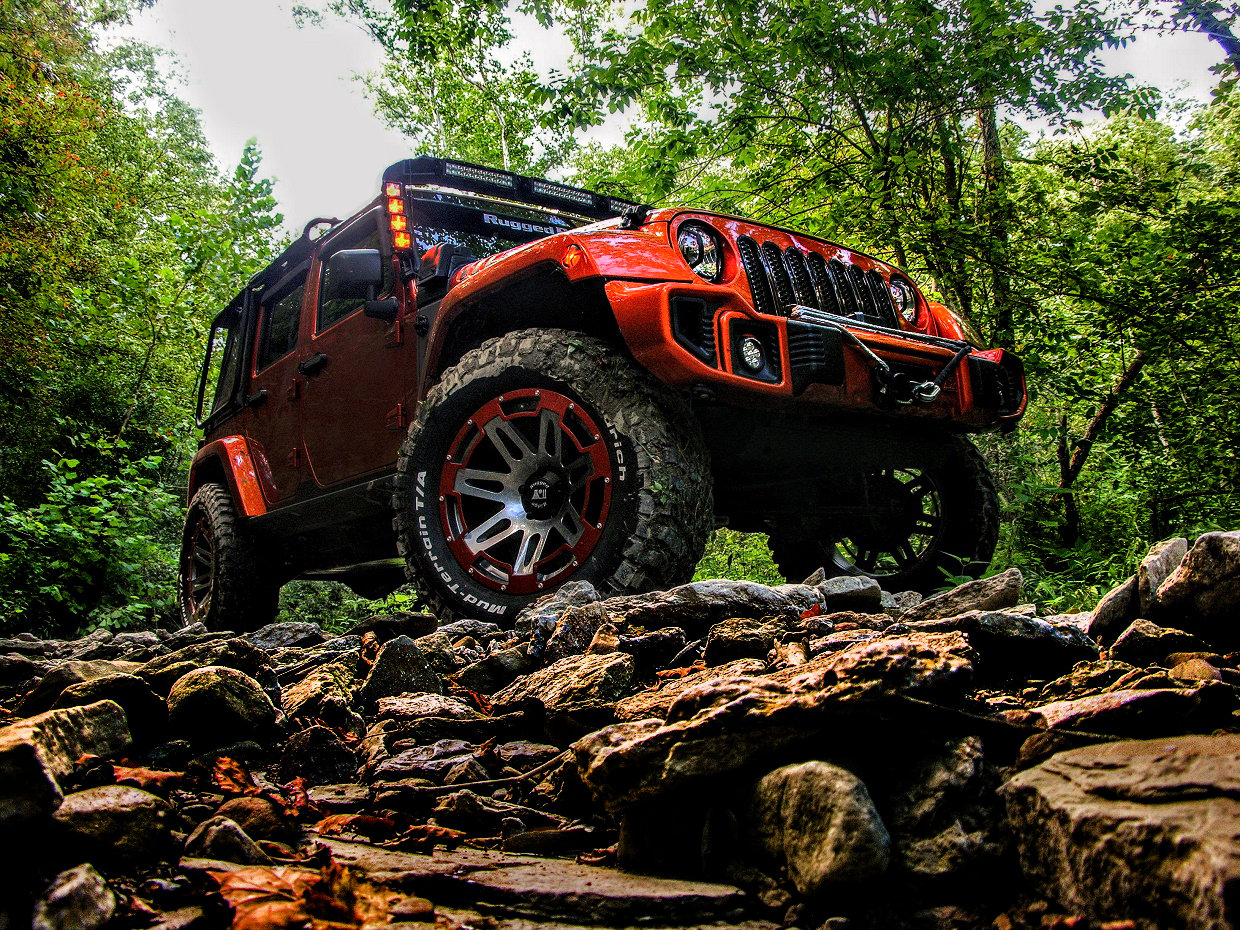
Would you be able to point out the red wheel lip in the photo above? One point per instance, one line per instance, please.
(458, 458)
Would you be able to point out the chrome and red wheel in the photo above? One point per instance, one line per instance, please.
(545, 456)
(526, 490)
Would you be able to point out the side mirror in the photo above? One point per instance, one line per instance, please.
(353, 274)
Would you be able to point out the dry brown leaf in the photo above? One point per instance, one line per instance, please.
(667, 673)
(231, 777)
(373, 828)
(152, 780)
(280, 898)
(425, 838)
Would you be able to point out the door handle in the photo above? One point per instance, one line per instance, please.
(313, 365)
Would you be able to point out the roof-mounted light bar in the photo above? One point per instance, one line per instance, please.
(428, 170)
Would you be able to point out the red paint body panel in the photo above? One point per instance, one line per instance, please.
(234, 455)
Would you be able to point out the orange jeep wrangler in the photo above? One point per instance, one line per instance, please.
(489, 384)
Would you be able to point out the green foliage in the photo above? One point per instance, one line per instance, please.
(336, 608)
(98, 550)
(739, 556)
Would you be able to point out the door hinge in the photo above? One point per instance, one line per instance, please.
(294, 390)
(396, 419)
(395, 335)
(294, 457)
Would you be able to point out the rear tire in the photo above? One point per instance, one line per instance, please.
(221, 581)
(545, 456)
(934, 522)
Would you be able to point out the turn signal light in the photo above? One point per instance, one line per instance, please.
(402, 240)
(391, 189)
(399, 222)
(574, 256)
(396, 205)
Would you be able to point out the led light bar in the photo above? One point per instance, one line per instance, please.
(562, 192)
(456, 169)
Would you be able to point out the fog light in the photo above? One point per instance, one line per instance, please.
(752, 355)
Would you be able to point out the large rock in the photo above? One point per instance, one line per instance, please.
(146, 712)
(38, 753)
(290, 633)
(1203, 595)
(850, 592)
(78, 899)
(399, 669)
(1146, 830)
(1145, 642)
(1016, 646)
(575, 630)
(117, 823)
(1163, 559)
(816, 820)
(317, 755)
(695, 606)
(326, 695)
(214, 705)
(656, 703)
(1144, 712)
(575, 683)
(1117, 609)
(162, 673)
(724, 726)
(985, 594)
(740, 638)
(43, 696)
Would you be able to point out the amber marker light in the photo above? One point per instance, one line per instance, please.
(574, 255)
(396, 205)
(398, 223)
(392, 189)
(402, 240)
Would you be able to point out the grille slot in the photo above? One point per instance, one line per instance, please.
(759, 285)
(828, 300)
(773, 260)
(798, 272)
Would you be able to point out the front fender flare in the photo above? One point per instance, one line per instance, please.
(231, 455)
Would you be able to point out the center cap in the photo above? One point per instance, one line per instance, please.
(543, 495)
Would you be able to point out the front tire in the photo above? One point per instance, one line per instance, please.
(221, 580)
(931, 523)
(545, 456)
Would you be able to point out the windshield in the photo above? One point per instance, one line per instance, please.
(481, 225)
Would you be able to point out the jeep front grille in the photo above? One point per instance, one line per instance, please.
(782, 278)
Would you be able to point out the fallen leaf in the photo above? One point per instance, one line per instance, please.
(281, 898)
(152, 780)
(604, 856)
(425, 838)
(814, 611)
(668, 673)
(373, 828)
(231, 777)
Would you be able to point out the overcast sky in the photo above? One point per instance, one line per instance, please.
(253, 73)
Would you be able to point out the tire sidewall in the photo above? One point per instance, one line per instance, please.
(437, 432)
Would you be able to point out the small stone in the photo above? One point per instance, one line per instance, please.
(289, 634)
(77, 899)
(1117, 609)
(574, 631)
(1196, 670)
(740, 638)
(498, 669)
(851, 592)
(221, 838)
(985, 594)
(418, 706)
(399, 668)
(817, 821)
(116, 822)
(259, 818)
(215, 705)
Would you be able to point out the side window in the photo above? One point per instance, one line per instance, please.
(333, 308)
(280, 318)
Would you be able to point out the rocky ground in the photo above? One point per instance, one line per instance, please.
(823, 754)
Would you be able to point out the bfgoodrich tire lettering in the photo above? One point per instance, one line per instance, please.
(623, 502)
(221, 581)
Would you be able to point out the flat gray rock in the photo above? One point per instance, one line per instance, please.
(996, 593)
(544, 888)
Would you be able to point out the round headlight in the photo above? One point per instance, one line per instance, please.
(702, 250)
(904, 298)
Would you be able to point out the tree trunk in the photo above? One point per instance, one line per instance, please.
(996, 216)
(1071, 463)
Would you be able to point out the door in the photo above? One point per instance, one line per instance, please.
(361, 371)
(274, 428)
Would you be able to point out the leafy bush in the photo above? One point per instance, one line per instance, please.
(739, 556)
(99, 550)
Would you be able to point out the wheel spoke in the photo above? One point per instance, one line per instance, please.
(562, 526)
(479, 538)
(550, 436)
(904, 554)
(508, 441)
(469, 479)
(529, 552)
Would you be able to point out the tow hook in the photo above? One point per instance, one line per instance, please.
(897, 387)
